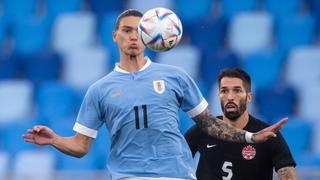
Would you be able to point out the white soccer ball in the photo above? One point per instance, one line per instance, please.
(160, 29)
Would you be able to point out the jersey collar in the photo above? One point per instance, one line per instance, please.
(118, 69)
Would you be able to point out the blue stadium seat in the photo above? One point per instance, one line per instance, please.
(145, 5)
(73, 31)
(3, 30)
(43, 164)
(4, 164)
(14, 12)
(303, 59)
(31, 35)
(16, 100)
(55, 100)
(264, 67)
(230, 8)
(295, 31)
(250, 31)
(208, 33)
(102, 7)
(8, 66)
(190, 11)
(282, 8)
(41, 66)
(184, 56)
(275, 102)
(299, 143)
(76, 72)
(56, 8)
(11, 136)
(106, 27)
(213, 62)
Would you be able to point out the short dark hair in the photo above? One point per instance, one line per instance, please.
(126, 13)
(236, 73)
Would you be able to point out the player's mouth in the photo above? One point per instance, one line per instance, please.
(231, 107)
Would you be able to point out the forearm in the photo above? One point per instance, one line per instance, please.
(219, 129)
(287, 173)
(70, 146)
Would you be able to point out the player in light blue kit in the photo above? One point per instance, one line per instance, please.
(139, 102)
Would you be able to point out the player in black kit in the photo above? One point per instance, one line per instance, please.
(222, 160)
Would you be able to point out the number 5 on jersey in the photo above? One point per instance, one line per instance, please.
(145, 116)
(226, 167)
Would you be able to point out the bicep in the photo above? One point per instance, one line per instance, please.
(287, 173)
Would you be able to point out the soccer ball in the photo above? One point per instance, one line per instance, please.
(160, 29)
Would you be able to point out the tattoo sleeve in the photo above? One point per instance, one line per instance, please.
(218, 128)
(287, 173)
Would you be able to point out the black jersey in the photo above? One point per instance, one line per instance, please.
(222, 160)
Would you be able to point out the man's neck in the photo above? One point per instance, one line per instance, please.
(132, 63)
(240, 123)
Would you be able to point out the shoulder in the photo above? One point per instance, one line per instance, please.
(256, 124)
(168, 68)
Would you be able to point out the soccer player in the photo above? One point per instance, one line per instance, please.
(239, 161)
(138, 102)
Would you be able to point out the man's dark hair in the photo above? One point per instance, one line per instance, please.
(236, 73)
(126, 13)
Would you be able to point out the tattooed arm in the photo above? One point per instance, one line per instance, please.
(287, 173)
(219, 129)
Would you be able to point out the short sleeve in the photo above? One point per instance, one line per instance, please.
(281, 155)
(192, 101)
(89, 117)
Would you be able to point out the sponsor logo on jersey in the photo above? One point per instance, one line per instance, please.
(115, 93)
(248, 152)
(159, 86)
(210, 145)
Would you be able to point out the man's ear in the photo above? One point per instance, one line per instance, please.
(114, 36)
(249, 97)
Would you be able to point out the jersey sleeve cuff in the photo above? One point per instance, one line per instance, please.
(198, 109)
(84, 130)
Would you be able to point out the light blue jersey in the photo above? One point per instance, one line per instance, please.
(140, 110)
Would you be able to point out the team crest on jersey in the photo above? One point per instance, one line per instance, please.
(248, 152)
(159, 86)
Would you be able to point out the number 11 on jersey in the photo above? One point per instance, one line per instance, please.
(145, 116)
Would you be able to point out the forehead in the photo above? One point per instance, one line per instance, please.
(131, 21)
(231, 82)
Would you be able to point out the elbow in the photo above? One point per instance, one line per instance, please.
(81, 152)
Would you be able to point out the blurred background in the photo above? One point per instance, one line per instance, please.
(51, 51)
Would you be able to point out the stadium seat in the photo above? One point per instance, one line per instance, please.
(3, 30)
(13, 143)
(4, 164)
(186, 57)
(56, 8)
(230, 9)
(303, 59)
(213, 62)
(16, 100)
(190, 11)
(55, 100)
(41, 66)
(250, 32)
(13, 13)
(35, 165)
(283, 8)
(145, 5)
(31, 35)
(102, 7)
(295, 31)
(264, 67)
(208, 33)
(276, 102)
(84, 66)
(73, 31)
(308, 100)
(299, 143)
(8, 66)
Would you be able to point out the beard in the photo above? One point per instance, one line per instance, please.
(233, 116)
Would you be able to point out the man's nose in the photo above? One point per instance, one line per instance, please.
(230, 96)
